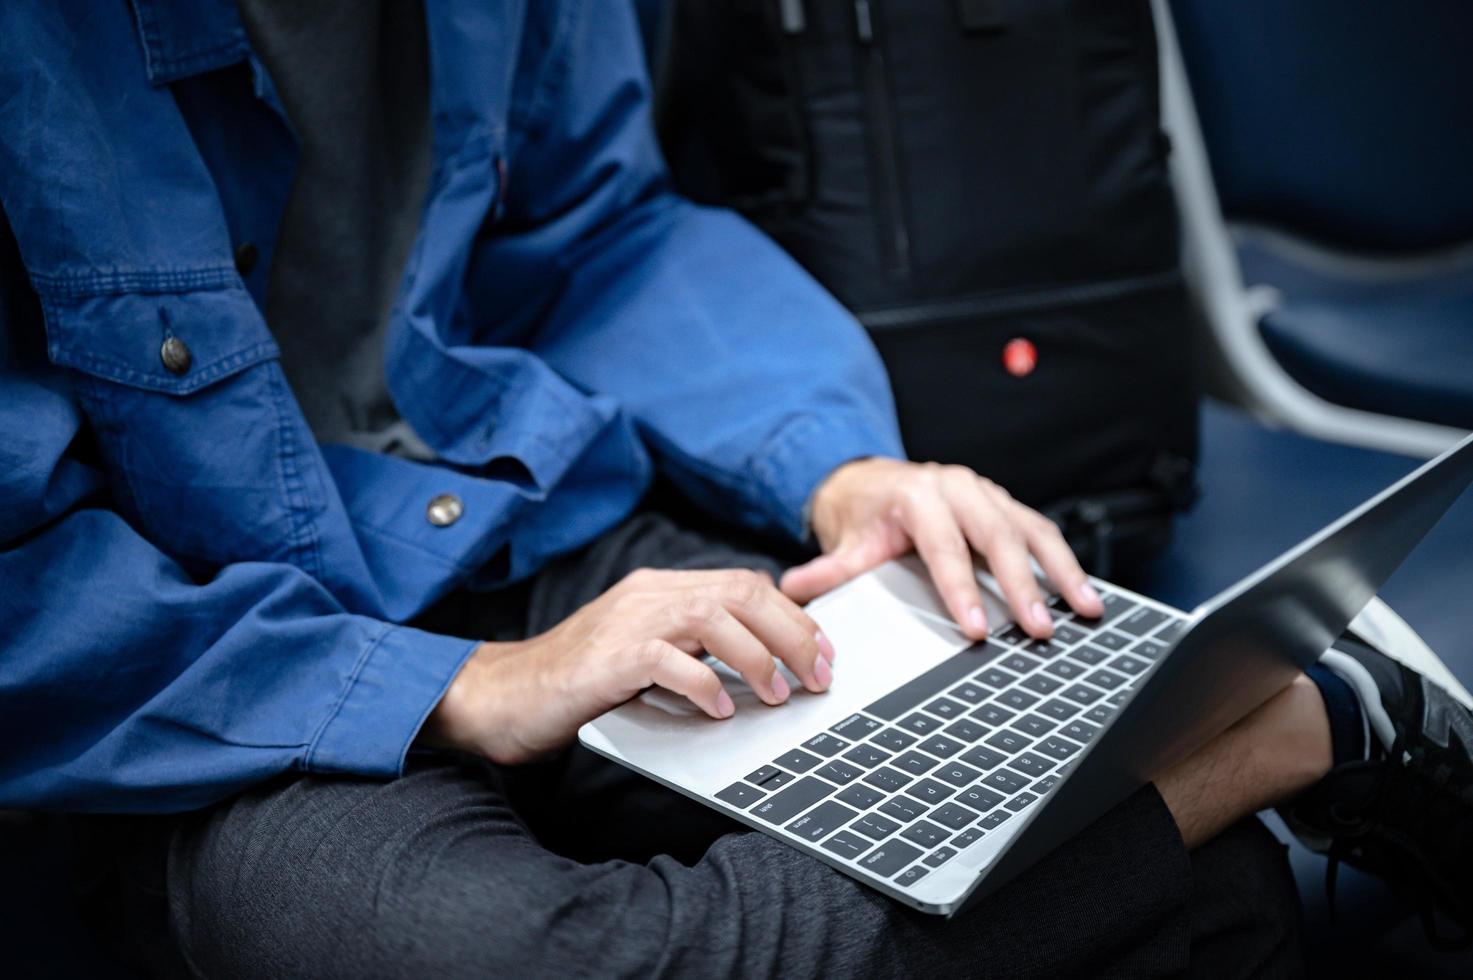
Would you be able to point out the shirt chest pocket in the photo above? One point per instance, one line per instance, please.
(206, 450)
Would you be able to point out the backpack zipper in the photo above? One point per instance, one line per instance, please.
(894, 235)
(1014, 301)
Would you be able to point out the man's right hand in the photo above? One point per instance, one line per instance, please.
(514, 702)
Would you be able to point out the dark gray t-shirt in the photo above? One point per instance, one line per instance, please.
(353, 76)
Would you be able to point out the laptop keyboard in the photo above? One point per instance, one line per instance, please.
(903, 786)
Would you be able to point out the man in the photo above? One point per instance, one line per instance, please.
(336, 332)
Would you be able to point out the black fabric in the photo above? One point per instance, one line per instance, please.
(578, 867)
(353, 77)
(963, 174)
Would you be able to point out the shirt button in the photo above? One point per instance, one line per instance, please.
(444, 510)
(175, 355)
(245, 258)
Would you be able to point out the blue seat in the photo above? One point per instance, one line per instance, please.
(1263, 491)
(1342, 127)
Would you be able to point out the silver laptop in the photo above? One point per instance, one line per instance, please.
(934, 768)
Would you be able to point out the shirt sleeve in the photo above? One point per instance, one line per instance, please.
(126, 685)
(746, 378)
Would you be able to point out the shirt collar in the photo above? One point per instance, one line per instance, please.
(188, 37)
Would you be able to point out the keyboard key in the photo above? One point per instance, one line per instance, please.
(855, 727)
(821, 821)
(1107, 679)
(1131, 665)
(929, 791)
(996, 678)
(1141, 621)
(953, 816)
(934, 681)
(787, 804)
(1005, 780)
(825, 744)
(846, 844)
(1069, 634)
(769, 778)
(956, 774)
(798, 761)
(903, 808)
(946, 708)
(1017, 699)
(1111, 640)
(1082, 694)
(1045, 784)
(1089, 654)
(970, 693)
(740, 795)
(1058, 710)
(1115, 605)
(967, 838)
(1100, 713)
(993, 714)
(1014, 634)
(994, 819)
(875, 826)
(983, 758)
(941, 746)
(1034, 725)
(889, 858)
(1065, 668)
(966, 730)
(979, 798)
(915, 763)
(919, 723)
(866, 755)
(1008, 740)
(1047, 649)
(887, 779)
(940, 856)
(1080, 731)
(859, 796)
(1043, 683)
(1020, 801)
(1118, 698)
(894, 739)
(911, 875)
(1149, 649)
(1019, 663)
(925, 833)
(840, 772)
(1031, 764)
(1172, 630)
(1057, 748)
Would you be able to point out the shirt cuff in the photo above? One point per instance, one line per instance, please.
(802, 455)
(399, 678)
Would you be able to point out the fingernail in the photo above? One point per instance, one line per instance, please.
(823, 673)
(1088, 594)
(1040, 615)
(724, 707)
(977, 619)
(780, 689)
(825, 648)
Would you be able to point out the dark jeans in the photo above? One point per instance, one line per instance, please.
(578, 867)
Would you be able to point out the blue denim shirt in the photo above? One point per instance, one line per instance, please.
(195, 595)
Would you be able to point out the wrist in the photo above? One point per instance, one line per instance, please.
(467, 716)
(826, 506)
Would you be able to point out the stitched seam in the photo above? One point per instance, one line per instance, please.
(118, 371)
(342, 699)
(304, 534)
(82, 284)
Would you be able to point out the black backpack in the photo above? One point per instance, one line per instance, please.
(983, 182)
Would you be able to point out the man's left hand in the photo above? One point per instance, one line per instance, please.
(872, 510)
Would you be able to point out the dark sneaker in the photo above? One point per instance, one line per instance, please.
(1405, 814)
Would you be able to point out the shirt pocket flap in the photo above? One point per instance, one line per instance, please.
(171, 342)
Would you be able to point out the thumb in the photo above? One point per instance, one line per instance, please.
(814, 578)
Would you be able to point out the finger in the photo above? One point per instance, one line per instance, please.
(662, 664)
(786, 631)
(726, 639)
(993, 532)
(1059, 564)
(738, 587)
(932, 524)
(812, 579)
